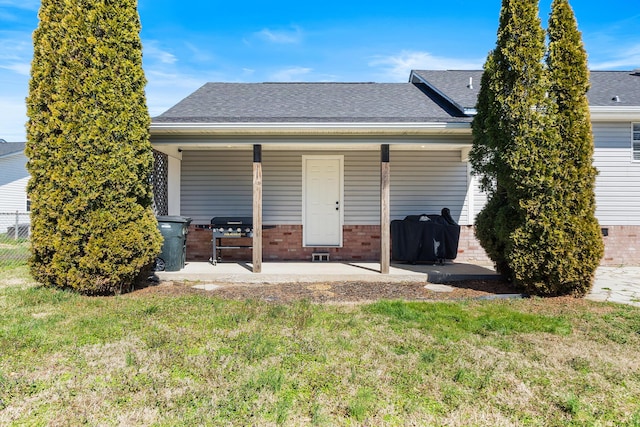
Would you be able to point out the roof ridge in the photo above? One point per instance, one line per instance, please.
(302, 83)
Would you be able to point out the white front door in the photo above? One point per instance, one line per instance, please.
(322, 204)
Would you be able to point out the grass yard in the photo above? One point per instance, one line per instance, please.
(142, 359)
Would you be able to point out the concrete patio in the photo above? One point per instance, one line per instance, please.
(612, 284)
(308, 272)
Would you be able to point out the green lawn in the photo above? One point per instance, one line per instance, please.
(144, 359)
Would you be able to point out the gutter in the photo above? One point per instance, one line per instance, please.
(615, 114)
(311, 129)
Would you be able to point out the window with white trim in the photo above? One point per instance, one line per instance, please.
(635, 143)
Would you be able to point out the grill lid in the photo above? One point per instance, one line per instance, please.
(220, 221)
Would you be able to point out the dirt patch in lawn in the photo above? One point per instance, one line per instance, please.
(338, 292)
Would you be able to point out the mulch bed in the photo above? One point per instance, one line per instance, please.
(335, 292)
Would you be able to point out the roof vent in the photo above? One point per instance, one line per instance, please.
(636, 72)
(2, 141)
(616, 98)
(470, 85)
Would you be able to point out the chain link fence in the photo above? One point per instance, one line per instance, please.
(14, 239)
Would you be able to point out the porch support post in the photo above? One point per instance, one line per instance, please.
(385, 226)
(257, 208)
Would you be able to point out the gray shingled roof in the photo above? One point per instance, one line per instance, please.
(309, 103)
(412, 102)
(454, 85)
(605, 85)
(8, 148)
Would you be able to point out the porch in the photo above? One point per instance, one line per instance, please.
(312, 272)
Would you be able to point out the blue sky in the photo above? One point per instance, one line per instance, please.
(188, 43)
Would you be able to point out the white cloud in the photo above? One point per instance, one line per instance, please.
(281, 36)
(153, 52)
(21, 4)
(398, 67)
(23, 68)
(198, 54)
(7, 17)
(293, 74)
(15, 67)
(628, 58)
(16, 50)
(165, 89)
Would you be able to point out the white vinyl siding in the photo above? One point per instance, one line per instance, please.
(216, 183)
(426, 182)
(13, 183)
(281, 187)
(362, 188)
(479, 198)
(219, 183)
(618, 181)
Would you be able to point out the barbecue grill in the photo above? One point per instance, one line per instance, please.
(226, 227)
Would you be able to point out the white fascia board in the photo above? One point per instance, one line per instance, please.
(434, 128)
(616, 114)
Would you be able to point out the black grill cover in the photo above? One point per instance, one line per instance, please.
(425, 238)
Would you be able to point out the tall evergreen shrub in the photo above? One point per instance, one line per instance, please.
(533, 151)
(581, 246)
(510, 134)
(485, 157)
(90, 158)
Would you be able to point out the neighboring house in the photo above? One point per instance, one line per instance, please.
(324, 164)
(13, 189)
(13, 177)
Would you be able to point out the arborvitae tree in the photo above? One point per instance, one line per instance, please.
(485, 157)
(510, 130)
(90, 158)
(581, 246)
(533, 150)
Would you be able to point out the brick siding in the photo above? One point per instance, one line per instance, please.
(621, 245)
(362, 243)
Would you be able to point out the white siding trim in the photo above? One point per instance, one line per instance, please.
(173, 186)
(471, 190)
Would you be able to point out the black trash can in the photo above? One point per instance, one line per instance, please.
(174, 230)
